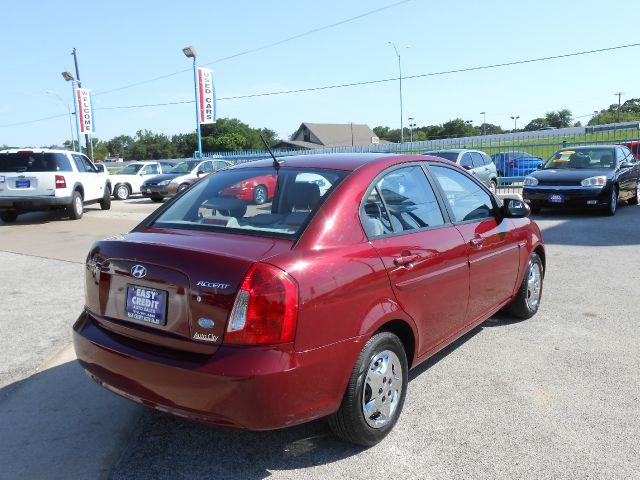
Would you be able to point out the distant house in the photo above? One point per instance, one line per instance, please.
(320, 135)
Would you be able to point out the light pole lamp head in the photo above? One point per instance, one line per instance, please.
(189, 52)
(68, 77)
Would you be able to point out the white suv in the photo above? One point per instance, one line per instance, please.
(43, 179)
(128, 180)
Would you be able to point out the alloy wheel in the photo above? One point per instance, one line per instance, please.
(382, 390)
(534, 283)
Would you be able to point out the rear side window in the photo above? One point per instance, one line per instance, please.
(408, 203)
(34, 162)
(467, 199)
(257, 201)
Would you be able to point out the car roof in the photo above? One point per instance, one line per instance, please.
(36, 150)
(589, 147)
(455, 150)
(339, 161)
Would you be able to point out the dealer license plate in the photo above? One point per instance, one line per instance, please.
(556, 198)
(23, 183)
(146, 304)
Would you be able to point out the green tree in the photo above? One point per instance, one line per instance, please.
(119, 146)
(151, 146)
(629, 112)
(559, 119)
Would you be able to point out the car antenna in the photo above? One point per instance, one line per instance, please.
(276, 163)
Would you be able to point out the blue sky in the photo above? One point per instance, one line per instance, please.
(122, 43)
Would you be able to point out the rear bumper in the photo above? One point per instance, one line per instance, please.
(256, 388)
(572, 198)
(33, 203)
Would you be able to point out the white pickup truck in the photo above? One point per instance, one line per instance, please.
(44, 179)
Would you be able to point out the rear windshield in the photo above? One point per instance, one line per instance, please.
(130, 169)
(34, 162)
(184, 167)
(253, 200)
(451, 156)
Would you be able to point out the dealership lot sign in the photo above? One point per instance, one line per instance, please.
(206, 96)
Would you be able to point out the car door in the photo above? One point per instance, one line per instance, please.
(627, 176)
(479, 169)
(424, 254)
(492, 245)
(89, 176)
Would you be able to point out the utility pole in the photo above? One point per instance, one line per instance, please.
(619, 94)
(400, 78)
(87, 138)
(484, 122)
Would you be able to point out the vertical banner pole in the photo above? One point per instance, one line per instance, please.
(195, 84)
(75, 106)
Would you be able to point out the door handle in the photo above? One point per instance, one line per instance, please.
(405, 260)
(476, 242)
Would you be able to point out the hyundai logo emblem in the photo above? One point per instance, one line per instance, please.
(138, 271)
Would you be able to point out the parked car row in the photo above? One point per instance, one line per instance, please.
(489, 169)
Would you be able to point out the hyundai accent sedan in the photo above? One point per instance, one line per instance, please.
(313, 304)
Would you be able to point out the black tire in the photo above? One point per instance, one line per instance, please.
(182, 187)
(121, 192)
(157, 198)
(612, 206)
(350, 422)
(75, 209)
(260, 195)
(635, 200)
(523, 306)
(105, 203)
(9, 216)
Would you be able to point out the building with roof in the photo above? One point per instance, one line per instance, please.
(320, 135)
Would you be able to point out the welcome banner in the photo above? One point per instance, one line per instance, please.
(85, 110)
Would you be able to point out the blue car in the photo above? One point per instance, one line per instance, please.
(516, 164)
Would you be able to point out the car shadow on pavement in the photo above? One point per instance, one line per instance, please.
(589, 228)
(37, 218)
(58, 424)
(163, 445)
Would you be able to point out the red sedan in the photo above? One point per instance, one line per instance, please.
(220, 311)
(255, 189)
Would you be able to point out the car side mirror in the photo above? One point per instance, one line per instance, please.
(627, 165)
(515, 208)
(467, 167)
(200, 172)
(99, 168)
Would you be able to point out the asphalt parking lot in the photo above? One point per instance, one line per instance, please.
(556, 396)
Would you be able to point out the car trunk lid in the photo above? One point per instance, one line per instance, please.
(172, 289)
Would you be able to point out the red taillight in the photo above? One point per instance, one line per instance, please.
(266, 308)
(25, 152)
(60, 182)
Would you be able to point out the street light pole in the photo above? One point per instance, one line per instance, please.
(400, 78)
(484, 122)
(69, 78)
(190, 52)
(73, 145)
(619, 94)
(515, 122)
